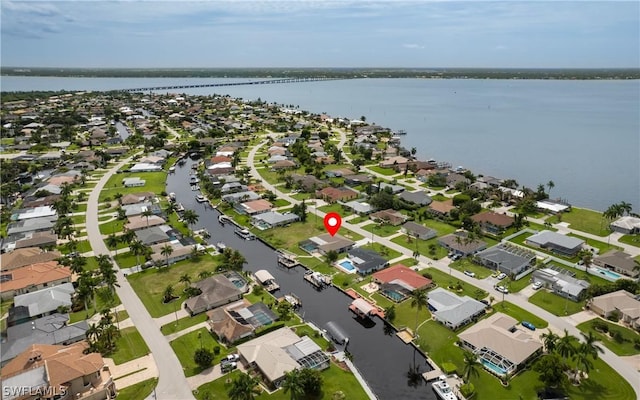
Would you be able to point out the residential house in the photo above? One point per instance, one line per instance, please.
(62, 372)
(272, 219)
(37, 212)
(554, 207)
(398, 282)
(139, 208)
(389, 216)
(156, 234)
(359, 207)
(501, 346)
(628, 225)
(411, 228)
(216, 290)
(452, 310)
(624, 303)
(489, 180)
(397, 162)
(32, 277)
(307, 183)
(31, 225)
(441, 209)
(27, 256)
(453, 179)
(283, 164)
(135, 198)
(40, 303)
(325, 243)
(618, 261)
(179, 252)
(493, 223)
(564, 245)
(281, 351)
(239, 197)
(43, 240)
(366, 261)
(133, 182)
(359, 179)
(254, 207)
(51, 329)
(137, 222)
(239, 321)
(395, 189)
(459, 243)
(507, 258)
(145, 167)
(420, 197)
(332, 194)
(561, 281)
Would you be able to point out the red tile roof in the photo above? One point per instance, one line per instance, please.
(404, 274)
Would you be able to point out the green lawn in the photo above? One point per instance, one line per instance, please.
(384, 251)
(128, 260)
(601, 246)
(151, 283)
(185, 347)
(465, 264)
(622, 348)
(585, 220)
(555, 304)
(114, 226)
(382, 171)
(429, 248)
(183, 323)
(518, 313)
(130, 346)
(383, 230)
(138, 391)
(155, 182)
(100, 305)
(280, 203)
(337, 208)
(445, 280)
(633, 240)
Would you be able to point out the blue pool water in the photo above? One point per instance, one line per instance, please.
(498, 370)
(608, 273)
(394, 295)
(348, 265)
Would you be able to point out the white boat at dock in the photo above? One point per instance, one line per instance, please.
(267, 280)
(292, 299)
(200, 198)
(245, 234)
(221, 246)
(443, 390)
(286, 259)
(317, 279)
(172, 168)
(223, 219)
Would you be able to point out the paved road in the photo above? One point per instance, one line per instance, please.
(172, 385)
(623, 368)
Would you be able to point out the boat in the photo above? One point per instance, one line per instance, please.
(245, 234)
(172, 197)
(194, 179)
(223, 219)
(292, 299)
(267, 280)
(179, 207)
(200, 198)
(172, 168)
(317, 279)
(287, 260)
(195, 187)
(221, 246)
(442, 389)
(400, 132)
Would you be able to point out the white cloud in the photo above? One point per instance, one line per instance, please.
(412, 46)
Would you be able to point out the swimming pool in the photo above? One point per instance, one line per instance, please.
(347, 265)
(498, 370)
(606, 272)
(393, 295)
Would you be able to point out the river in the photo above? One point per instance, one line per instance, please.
(382, 359)
(582, 135)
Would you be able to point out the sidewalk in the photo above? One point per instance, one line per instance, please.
(145, 367)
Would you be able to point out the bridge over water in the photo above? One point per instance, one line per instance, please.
(204, 85)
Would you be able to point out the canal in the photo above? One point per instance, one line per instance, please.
(381, 357)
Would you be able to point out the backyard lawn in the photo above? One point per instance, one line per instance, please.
(337, 208)
(151, 283)
(186, 345)
(445, 280)
(603, 247)
(154, 182)
(428, 248)
(624, 346)
(384, 251)
(139, 391)
(383, 230)
(382, 171)
(519, 314)
(555, 304)
(130, 346)
(585, 220)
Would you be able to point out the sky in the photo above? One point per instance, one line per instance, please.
(308, 33)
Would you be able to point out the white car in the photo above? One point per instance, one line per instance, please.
(469, 273)
(502, 276)
(233, 357)
(536, 285)
(502, 289)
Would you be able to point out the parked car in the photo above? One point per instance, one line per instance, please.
(502, 289)
(233, 357)
(228, 367)
(502, 276)
(469, 273)
(528, 325)
(536, 285)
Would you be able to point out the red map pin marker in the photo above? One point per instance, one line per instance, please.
(332, 222)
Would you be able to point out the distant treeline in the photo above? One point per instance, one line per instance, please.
(450, 73)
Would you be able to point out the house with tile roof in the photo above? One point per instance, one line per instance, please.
(624, 303)
(618, 261)
(452, 310)
(216, 290)
(32, 277)
(27, 256)
(493, 223)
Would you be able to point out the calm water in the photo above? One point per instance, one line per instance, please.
(583, 135)
(383, 359)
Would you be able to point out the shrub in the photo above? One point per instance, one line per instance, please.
(427, 275)
(216, 350)
(448, 368)
(600, 326)
(203, 357)
(614, 316)
(467, 389)
(617, 336)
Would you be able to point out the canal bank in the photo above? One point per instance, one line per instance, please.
(380, 356)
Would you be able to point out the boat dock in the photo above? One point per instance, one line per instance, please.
(317, 279)
(376, 310)
(267, 280)
(287, 259)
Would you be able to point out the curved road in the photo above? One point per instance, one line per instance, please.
(623, 368)
(172, 385)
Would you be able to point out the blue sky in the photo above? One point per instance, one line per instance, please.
(307, 33)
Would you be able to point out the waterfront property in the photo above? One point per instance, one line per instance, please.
(501, 346)
(325, 242)
(278, 352)
(216, 291)
(272, 219)
(561, 281)
(493, 223)
(398, 282)
(452, 310)
(506, 258)
(239, 321)
(366, 261)
(561, 244)
(628, 225)
(619, 262)
(622, 302)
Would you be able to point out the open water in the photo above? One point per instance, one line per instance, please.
(582, 135)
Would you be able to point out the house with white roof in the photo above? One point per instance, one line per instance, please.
(452, 310)
(624, 303)
(562, 282)
(564, 245)
(627, 225)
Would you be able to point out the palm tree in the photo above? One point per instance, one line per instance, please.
(166, 251)
(112, 242)
(147, 213)
(204, 274)
(127, 236)
(471, 365)
(550, 185)
(190, 217)
(170, 208)
(625, 207)
(137, 248)
(565, 345)
(583, 363)
(292, 384)
(244, 387)
(550, 340)
(167, 295)
(186, 279)
(419, 300)
(589, 345)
